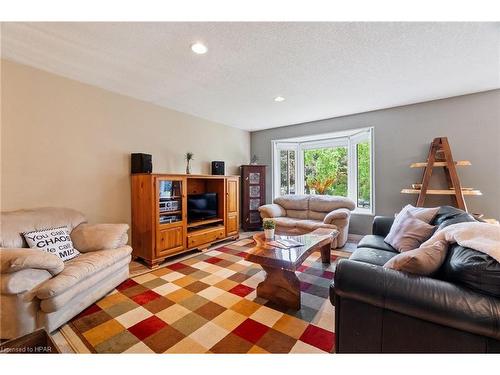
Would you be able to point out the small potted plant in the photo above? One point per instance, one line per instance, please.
(189, 157)
(269, 226)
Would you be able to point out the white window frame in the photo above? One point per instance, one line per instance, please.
(349, 140)
(277, 147)
(361, 137)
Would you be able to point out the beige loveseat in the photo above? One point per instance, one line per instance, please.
(299, 214)
(40, 290)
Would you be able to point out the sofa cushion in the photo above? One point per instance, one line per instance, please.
(376, 242)
(327, 203)
(473, 269)
(271, 210)
(462, 218)
(297, 214)
(92, 237)
(316, 215)
(372, 256)
(285, 222)
(293, 202)
(81, 268)
(53, 320)
(448, 215)
(312, 224)
(93, 282)
(14, 223)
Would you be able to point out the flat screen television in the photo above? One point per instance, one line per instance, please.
(202, 206)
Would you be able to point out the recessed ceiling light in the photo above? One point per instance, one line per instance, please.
(279, 99)
(199, 48)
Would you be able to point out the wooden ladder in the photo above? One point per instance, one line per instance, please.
(442, 147)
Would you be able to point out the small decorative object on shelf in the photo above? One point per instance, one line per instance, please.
(189, 157)
(254, 160)
(253, 193)
(269, 226)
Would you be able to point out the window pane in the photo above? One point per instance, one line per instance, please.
(325, 171)
(363, 158)
(287, 172)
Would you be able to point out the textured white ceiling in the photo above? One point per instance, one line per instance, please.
(322, 69)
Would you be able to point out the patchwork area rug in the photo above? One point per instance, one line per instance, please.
(208, 304)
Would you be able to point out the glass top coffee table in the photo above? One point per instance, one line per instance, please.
(281, 284)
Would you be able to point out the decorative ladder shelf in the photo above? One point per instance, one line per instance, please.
(440, 156)
(460, 163)
(441, 192)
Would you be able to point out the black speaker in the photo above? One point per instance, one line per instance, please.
(141, 163)
(218, 168)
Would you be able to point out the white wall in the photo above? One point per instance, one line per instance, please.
(65, 143)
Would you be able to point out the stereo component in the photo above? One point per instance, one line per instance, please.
(141, 163)
(170, 205)
(218, 168)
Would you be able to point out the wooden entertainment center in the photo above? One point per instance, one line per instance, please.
(160, 225)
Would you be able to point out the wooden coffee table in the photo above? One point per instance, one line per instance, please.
(281, 284)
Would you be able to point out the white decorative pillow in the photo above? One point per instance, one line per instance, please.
(408, 232)
(422, 213)
(53, 241)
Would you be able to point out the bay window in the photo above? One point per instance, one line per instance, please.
(330, 164)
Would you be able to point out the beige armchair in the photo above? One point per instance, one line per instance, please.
(299, 214)
(40, 290)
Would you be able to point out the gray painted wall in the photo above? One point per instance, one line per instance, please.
(402, 136)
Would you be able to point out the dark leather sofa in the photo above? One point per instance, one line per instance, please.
(380, 310)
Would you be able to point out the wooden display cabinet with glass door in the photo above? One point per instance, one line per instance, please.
(171, 216)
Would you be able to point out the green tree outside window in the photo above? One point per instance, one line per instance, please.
(325, 171)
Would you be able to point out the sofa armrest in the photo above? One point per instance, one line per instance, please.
(382, 225)
(17, 259)
(338, 214)
(421, 297)
(22, 281)
(95, 237)
(268, 211)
